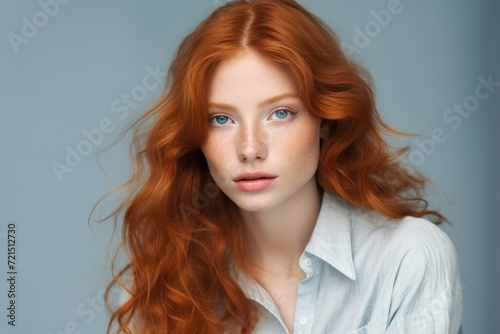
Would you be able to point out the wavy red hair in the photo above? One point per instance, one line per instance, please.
(182, 235)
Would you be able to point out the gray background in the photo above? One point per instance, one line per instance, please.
(70, 75)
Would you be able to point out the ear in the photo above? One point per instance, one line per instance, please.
(324, 129)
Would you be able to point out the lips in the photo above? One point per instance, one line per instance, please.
(254, 181)
(254, 176)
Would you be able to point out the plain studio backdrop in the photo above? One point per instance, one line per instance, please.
(73, 74)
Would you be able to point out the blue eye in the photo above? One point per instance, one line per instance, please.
(282, 113)
(219, 119)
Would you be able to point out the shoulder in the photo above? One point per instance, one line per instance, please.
(406, 267)
(370, 237)
(410, 236)
(424, 251)
(412, 251)
(417, 265)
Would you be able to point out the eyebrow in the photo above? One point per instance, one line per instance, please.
(263, 103)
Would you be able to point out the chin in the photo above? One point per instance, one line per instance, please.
(252, 205)
(255, 202)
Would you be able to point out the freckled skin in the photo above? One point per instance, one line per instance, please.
(255, 139)
(248, 136)
(280, 138)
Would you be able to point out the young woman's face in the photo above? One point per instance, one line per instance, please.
(263, 145)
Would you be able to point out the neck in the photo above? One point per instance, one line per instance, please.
(276, 237)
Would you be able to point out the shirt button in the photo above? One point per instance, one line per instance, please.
(303, 320)
(308, 262)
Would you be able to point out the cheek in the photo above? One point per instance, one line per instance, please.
(215, 152)
(302, 145)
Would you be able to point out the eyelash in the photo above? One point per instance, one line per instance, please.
(289, 110)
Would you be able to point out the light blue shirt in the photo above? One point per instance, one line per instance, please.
(366, 273)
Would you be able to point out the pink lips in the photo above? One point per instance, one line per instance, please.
(254, 181)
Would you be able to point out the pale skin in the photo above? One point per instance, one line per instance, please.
(259, 124)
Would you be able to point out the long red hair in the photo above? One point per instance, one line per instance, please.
(181, 233)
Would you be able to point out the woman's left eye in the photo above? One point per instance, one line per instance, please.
(282, 113)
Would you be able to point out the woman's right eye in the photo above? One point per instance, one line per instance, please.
(219, 120)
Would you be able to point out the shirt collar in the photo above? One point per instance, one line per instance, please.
(331, 237)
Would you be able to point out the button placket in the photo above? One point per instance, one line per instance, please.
(306, 296)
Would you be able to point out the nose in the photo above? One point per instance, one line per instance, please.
(252, 144)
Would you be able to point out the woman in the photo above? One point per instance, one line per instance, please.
(265, 200)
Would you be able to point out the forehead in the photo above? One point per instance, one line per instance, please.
(249, 75)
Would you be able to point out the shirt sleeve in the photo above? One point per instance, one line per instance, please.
(427, 294)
